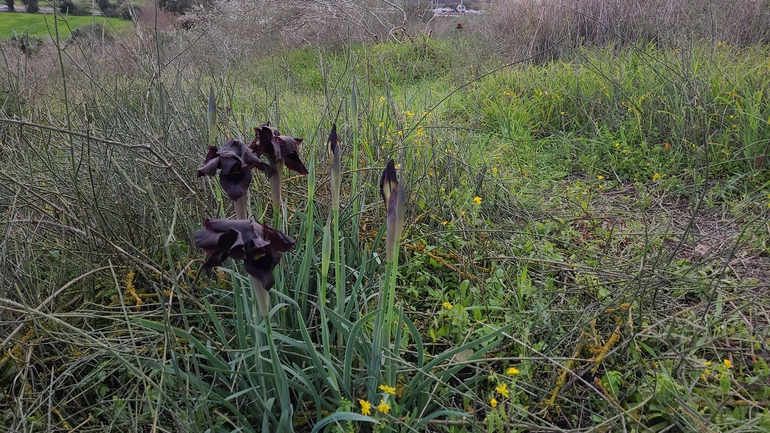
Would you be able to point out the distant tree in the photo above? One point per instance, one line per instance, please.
(10, 5)
(67, 7)
(103, 4)
(125, 12)
(32, 7)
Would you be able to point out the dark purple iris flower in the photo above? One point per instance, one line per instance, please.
(394, 196)
(234, 161)
(278, 149)
(258, 245)
(389, 186)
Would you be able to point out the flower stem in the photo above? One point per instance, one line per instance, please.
(281, 381)
(275, 193)
(241, 211)
(263, 298)
(338, 277)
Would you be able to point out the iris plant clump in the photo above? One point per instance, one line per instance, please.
(260, 246)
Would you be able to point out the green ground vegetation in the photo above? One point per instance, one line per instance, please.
(585, 247)
(42, 25)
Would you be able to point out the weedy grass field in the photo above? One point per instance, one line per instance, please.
(584, 247)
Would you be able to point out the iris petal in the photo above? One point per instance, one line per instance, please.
(209, 168)
(235, 184)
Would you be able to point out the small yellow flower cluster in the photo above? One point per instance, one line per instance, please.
(477, 200)
(502, 388)
(705, 375)
(383, 407)
(655, 177)
(447, 305)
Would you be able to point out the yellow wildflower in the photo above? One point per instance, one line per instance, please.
(366, 407)
(388, 389)
(494, 170)
(382, 124)
(383, 407)
(655, 177)
(707, 363)
(512, 371)
(705, 375)
(447, 305)
(477, 200)
(502, 389)
(493, 403)
(728, 363)
(443, 223)
(420, 132)
(600, 177)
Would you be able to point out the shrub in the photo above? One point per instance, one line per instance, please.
(27, 44)
(91, 32)
(112, 12)
(176, 6)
